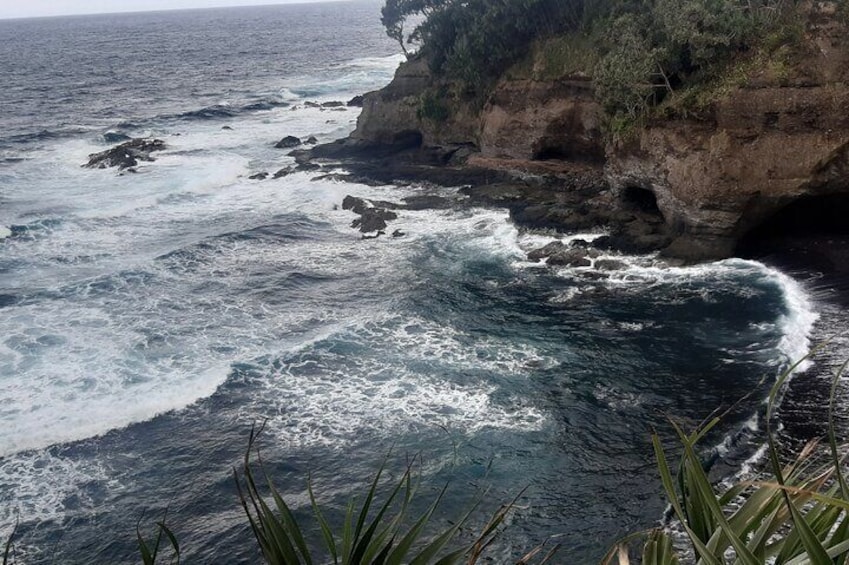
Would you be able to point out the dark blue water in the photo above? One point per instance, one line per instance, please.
(149, 320)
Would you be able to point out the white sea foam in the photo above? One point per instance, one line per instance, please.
(38, 486)
(328, 398)
(797, 323)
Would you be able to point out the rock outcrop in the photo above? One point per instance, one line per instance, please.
(780, 137)
(691, 186)
(125, 155)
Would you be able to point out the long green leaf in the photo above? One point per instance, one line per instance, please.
(327, 534)
(668, 485)
(707, 494)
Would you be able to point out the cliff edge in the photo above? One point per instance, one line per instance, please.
(769, 142)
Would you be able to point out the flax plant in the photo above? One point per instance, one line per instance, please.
(799, 517)
(373, 533)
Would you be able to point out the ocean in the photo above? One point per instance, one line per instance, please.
(149, 320)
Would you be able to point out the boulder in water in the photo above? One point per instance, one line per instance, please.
(373, 219)
(286, 171)
(288, 142)
(126, 155)
(259, 176)
(609, 265)
(570, 258)
(547, 251)
(356, 102)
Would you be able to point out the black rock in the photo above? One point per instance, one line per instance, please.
(359, 205)
(356, 102)
(288, 142)
(398, 233)
(609, 265)
(283, 172)
(259, 176)
(310, 104)
(571, 258)
(333, 104)
(228, 128)
(373, 219)
(426, 202)
(546, 251)
(311, 140)
(126, 155)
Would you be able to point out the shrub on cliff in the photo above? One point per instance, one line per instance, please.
(646, 49)
(474, 40)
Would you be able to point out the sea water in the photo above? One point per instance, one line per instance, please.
(149, 320)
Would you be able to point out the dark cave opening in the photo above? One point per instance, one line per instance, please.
(408, 139)
(547, 153)
(640, 199)
(810, 233)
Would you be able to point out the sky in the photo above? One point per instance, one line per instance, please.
(36, 8)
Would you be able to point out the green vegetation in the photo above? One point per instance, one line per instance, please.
(797, 516)
(640, 53)
(433, 106)
(372, 533)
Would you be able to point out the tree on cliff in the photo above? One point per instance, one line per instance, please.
(644, 49)
(475, 39)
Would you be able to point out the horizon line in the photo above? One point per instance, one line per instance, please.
(162, 10)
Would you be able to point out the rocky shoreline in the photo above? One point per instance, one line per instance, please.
(694, 187)
(563, 199)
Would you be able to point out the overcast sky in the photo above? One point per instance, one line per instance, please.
(31, 8)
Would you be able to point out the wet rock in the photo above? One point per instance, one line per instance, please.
(311, 104)
(398, 233)
(356, 102)
(308, 167)
(311, 140)
(288, 142)
(373, 219)
(373, 213)
(570, 258)
(426, 202)
(126, 155)
(359, 205)
(609, 265)
(226, 128)
(286, 171)
(546, 251)
(259, 176)
(333, 104)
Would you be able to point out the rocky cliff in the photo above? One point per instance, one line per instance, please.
(775, 137)
(779, 137)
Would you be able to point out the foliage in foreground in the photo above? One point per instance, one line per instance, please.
(799, 517)
(379, 533)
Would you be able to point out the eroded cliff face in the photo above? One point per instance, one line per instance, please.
(522, 120)
(779, 136)
(776, 139)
